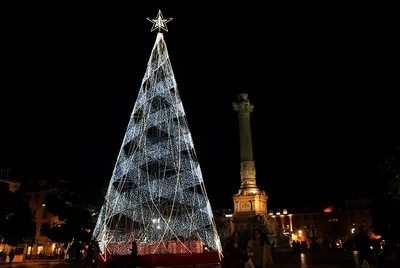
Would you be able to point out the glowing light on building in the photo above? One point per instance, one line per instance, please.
(328, 209)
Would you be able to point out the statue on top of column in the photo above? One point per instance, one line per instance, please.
(243, 106)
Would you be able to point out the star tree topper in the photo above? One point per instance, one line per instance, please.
(159, 22)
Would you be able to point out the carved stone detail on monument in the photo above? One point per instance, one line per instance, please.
(247, 170)
(244, 107)
(245, 206)
(247, 182)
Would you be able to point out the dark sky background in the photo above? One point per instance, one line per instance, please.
(324, 80)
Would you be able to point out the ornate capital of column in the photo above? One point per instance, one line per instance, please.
(243, 106)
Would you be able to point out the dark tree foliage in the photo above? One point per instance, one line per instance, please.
(393, 180)
(257, 222)
(386, 220)
(16, 222)
(77, 209)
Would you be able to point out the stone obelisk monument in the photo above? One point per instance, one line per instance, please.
(249, 201)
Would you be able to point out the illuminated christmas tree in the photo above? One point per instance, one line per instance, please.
(156, 195)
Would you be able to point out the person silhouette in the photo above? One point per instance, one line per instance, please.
(11, 256)
(134, 254)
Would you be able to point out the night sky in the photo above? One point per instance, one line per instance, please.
(323, 80)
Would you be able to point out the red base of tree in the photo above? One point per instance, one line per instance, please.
(211, 257)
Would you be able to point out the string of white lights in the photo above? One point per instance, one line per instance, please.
(156, 194)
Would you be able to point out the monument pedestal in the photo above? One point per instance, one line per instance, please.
(246, 206)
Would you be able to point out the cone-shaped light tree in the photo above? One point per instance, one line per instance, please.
(156, 195)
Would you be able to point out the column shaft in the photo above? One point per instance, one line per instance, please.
(247, 167)
(246, 146)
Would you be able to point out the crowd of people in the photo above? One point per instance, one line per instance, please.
(257, 252)
(91, 259)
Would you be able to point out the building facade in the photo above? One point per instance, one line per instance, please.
(299, 226)
(332, 224)
(359, 214)
(40, 244)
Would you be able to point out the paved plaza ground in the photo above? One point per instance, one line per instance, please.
(282, 260)
(287, 260)
(64, 265)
